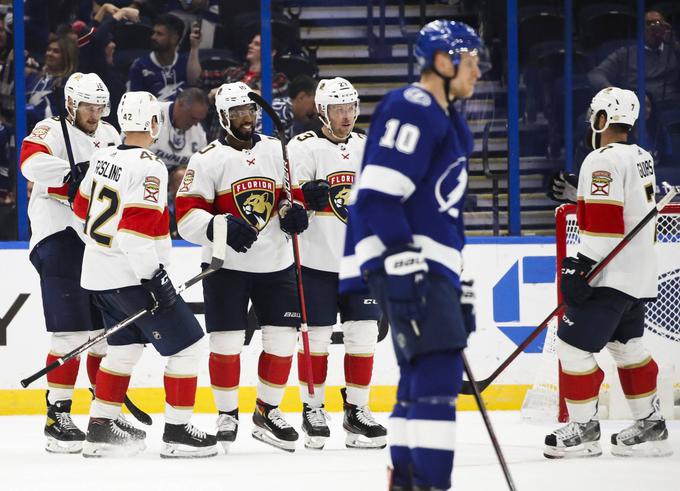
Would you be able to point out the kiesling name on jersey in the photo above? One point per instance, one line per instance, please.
(108, 170)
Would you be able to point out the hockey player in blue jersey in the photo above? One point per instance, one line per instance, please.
(405, 238)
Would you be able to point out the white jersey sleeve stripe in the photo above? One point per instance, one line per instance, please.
(386, 180)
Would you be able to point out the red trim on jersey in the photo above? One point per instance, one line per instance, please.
(581, 387)
(225, 370)
(600, 218)
(184, 204)
(29, 148)
(319, 368)
(80, 205)
(225, 203)
(146, 221)
(180, 391)
(61, 191)
(358, 370)
(639, 381)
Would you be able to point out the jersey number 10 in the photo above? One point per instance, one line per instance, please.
(403, 137)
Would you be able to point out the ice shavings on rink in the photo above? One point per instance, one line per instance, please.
(24, 464)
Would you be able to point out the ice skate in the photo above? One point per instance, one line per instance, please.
(106, 439)
(227, 429)
(63, 436)
(574, 440)
(363, 431)
(315, 426)
(644, 438)
(272, 429)
(137, 434)
(186, 442)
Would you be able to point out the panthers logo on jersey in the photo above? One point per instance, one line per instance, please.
(341, 184)
(254, 198)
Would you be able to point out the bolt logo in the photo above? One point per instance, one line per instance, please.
(450, 188)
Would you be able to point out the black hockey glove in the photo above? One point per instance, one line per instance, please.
(573, 285)
(293, 219)
(240, 234)
(316, 194)
(467, 305)
(161, 289)
(74, 179)
(563, 187)
(406, 283)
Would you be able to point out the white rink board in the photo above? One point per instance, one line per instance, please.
(27, 341)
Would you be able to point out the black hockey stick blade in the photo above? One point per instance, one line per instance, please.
(467, 388)
(259, 100)
(139, 415)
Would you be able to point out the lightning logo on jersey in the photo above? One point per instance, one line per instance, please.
(254, 197)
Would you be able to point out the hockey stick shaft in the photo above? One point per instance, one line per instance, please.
(219, 250)
(483, 384)
(64, 129)
(287, 178)
(487, 423)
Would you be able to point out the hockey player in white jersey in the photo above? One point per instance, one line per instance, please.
(615, 191)
(123, 203)
(239, 178)
(56, 250)
(326, 162)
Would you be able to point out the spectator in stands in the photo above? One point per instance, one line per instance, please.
(662, 63)
(61, 60)
(299, 113)
(657, 140)
(164, 72)
(250, 74)
(4, 42)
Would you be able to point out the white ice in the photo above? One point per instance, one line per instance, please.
(24, 464)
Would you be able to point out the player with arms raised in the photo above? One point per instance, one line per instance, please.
(615, 191)
(123, 204)
(56, 250)
(239, 178)
(405, 238)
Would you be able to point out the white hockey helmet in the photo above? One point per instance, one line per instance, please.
(136, 112)
(619, 105)
(228, 96)
(334, 91)
(86, 87)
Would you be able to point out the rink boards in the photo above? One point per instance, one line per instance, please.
(515, 286)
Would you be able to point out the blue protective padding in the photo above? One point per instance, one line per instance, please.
(538, 269)
(506, 296)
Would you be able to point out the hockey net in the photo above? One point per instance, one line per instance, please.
(662, 329)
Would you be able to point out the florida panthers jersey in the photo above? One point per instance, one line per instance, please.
(163, 81)
(243, 183)
(313, 156)
(174, 146)
(615, 191)
(45, 162)
(411, 188)
(122, 202)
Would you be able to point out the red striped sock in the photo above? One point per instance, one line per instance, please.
(93, 362)
(111, 386)
(582, 387)
(639, 380)
(319, 368)
(65, 376)
(274, 370)
(358, 370)
(225, 370)
(180, 392)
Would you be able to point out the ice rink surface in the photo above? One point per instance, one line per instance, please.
(24, 465)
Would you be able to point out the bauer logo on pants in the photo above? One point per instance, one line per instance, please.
(254, 198)
(341, 184)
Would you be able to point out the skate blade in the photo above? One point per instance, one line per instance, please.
(58, 446)
(354, 440)
(179, 451)
(97, 450)
(659, 448)
(585, 450)
(226, 445)
(266, 437)
(315, 442)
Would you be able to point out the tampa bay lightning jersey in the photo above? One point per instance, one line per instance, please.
(163, 81)
(411, 188)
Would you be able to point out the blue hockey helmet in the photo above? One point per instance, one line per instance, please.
(448, 36)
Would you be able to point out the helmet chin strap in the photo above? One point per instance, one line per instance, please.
(446, 80)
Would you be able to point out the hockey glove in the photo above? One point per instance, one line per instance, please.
(316, 194)
(467, 305)
(573, 284)
(293, 219)
(406, 283)
(563, 187)
(240, 234)
(74, 179)
(161, 289)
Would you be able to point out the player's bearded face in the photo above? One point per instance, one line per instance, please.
(467, 74)
(88, 116)
(242, 121)
(342, 117)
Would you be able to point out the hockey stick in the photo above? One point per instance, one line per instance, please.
(218, 253)
(64, 129)
(483, 384)
(296, 249)
(487, 423)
